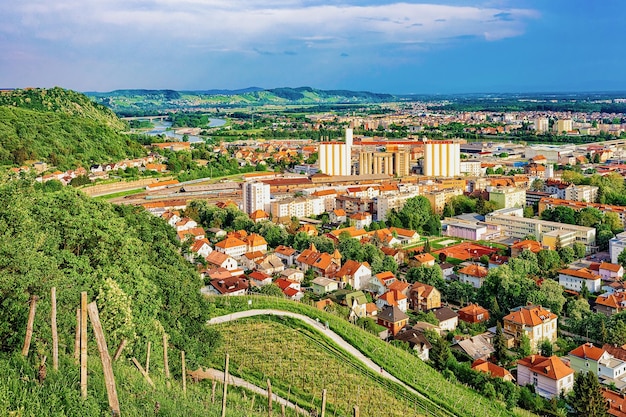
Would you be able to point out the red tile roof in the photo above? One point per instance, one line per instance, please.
(552, 367)
(530, 315)
(588, 351)
(474, 271)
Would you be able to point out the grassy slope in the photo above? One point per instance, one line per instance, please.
(21, 395)
(457, 398)
(301, 364)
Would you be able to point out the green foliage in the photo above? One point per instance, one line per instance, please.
(439, 355)
(429, 275)
(61, 127)
(586, 398)
(579, 250)
(121, 254)
(499, 344)
(546, 348)
(272, 290)
(416, 215)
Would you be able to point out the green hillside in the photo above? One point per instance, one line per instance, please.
(144, 102)
(61, 127)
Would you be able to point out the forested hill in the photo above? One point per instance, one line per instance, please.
(143, 102)
(61, 127)
(122, 256)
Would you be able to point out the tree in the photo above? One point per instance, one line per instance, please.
(578, 308)
(537, 185)
(545, 348)
(547, 260)
(586, 397)
(272, 290)
(524, 346)
(390, 264)
(579, 250)
(439, 354)
(550, 295)
(529, 212)
(566, 254)
(499, 344)
(426, 247)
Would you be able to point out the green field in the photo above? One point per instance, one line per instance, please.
(453, 397)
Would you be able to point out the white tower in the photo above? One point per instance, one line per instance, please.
(256, 196)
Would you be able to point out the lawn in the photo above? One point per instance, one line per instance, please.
(120, 194)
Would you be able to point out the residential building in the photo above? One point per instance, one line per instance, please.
(470, 230)
(610, 271)
(617, 246)
(393, 298)
(292, 274)
(438, 199)
(379, 284)
(424, 297)
(492, 369)
(536, 322)
(232, 246)
(259, 216)
(518, 247)
(575, 279)
(386, 203)
(228, 286)
(507, 197)
(448, 319)
(542, 124)
(259, 278)
(470, 167)
(609, 304)
(476, 347)
(473, 313)
(256, 196)
(286, 254)
(473, 274)
(297, 207)
(201, 248)
(589, 358)
(322, 263)
(361, 220)
(558, 239)
(255, 243)
(323, 285)
(442, 158)
(550, 203)
(405, 236)
(417, 341)
(329, 197)
(355, 274)
(514, 224)
(393, 319)
(424, 259)
(550, 376)
(221, 260)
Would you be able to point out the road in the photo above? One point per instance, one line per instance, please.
(319, 327)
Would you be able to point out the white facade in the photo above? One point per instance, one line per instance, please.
(256, 196)
(542, 124)
(471, 168)
(575, 283)
(616, 246)
(298, 207)
(442, 158)
(544, 386)
(335, 158)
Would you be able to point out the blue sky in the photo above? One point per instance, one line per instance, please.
(377, 45)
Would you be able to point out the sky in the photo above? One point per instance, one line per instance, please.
(398, 47)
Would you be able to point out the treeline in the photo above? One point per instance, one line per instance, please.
(189, 119)
(510, 105)
(125, 258)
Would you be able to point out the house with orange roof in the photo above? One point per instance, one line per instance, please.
(329, 197)
(227, 203)
(259, 278)
(536, 322)
(424, 259)
(616, 401)
(473, 313)
(286, 254)
(492, 369)
(185, 223)
(352, 231)
(575, 279)
(194, 233)
(550, 376)
(270, 264)
(405, 236)
(590, 358)
(400, 286)
(232, 246)
(392, 298)
(424, 297)
(338, 216)
(609, 304)
(379, 284)
(291, 289)
(355, 274)
(611, 272)
(200, 247)
(221, 260)
(171, 217)
(249, 260)
(361, 220)
(322, 263)
(309, 229)
(381, 238)
(473, 274)
(518, 247)
(255, 242)
(395, 253)
(258, 216)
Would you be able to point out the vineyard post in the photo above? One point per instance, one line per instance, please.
(324, 402)
(282, 410)
(355, 412)
(166, 364)
(213, 392)
(29, 325)
(182, 359)
(225, 386)
(77, 337)
(269, 398)
(148, 358)
(109, 378)
(143, 372)
(118, 351)
(83, 344)
(53, 323)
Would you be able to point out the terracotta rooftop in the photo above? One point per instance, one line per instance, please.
(583, 273)
(552, 367)
(474, 271)
(588, 351)
(530, 315)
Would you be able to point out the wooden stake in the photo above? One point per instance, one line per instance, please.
(225, 387)
(282, 410)
(213, 392)
(356, 411)
(323, 402)
(109, 379)
(182, 358)
(77, 337)
(269, 398)
(29, 325)
(143, 371)
(120, 348)
(55, 335)
(166, 364)
(148, 357)
(83, 344)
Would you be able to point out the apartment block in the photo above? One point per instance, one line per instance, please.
(550, 203)
(507, 197)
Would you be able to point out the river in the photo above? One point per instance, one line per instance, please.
(161, 127)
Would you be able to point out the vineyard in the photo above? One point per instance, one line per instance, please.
(448, 396)
(301, 364)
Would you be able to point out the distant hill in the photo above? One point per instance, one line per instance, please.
(61, 127)
(143, 102)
